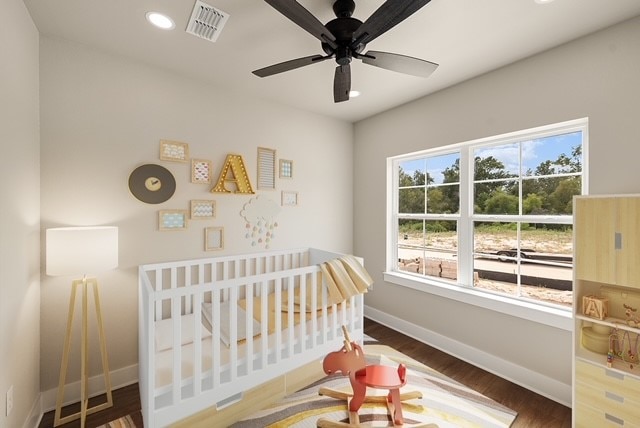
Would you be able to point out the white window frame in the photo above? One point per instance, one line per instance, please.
(554, 316)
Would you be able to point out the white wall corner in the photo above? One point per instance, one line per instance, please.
(533, 381)
(35, 414)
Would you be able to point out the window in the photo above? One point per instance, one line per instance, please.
(492, 215)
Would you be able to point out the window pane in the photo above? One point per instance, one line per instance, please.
(538, 266)
(443, 199)
(551, 195)
(557, 154)
(411, 200)
(495, 162)
(495, 239)
(444, 169)
(550, 283)
(412, 173)
(410, 245)
(499, 197)
(428, 248)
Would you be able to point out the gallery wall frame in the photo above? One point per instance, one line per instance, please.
(213, 238)
(286, 168)
(266, 168)
(201, 171)
(173, 220)
(203, 209)
(289, 198)
(174, 151)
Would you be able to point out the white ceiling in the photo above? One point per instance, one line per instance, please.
(466, 37)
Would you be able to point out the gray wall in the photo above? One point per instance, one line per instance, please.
(596, 77)
(19, 215)
(103, 115)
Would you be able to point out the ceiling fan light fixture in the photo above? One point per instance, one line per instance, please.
(160, 20)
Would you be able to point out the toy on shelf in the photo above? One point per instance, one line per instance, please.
(595, 307)
(625, 348)
(632, 319)
(350, 361)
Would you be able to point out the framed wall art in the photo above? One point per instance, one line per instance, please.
(201, 171)
(172, 219)
(286, 168)
(266, 168)
(174, 151)
(213, 238)
(203, 209)
(289, 199)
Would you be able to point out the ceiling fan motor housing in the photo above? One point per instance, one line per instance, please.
(343, 29)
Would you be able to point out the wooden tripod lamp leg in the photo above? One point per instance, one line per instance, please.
(103, 347)
(65, 355)
(84, 357)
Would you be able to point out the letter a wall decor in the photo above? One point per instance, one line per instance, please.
(233, 173)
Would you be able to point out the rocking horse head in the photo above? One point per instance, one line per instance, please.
(347, 360)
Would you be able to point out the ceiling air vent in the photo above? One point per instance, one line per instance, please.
(206, 21)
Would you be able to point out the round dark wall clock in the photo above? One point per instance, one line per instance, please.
(152, 184)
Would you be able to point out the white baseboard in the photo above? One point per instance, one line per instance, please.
(534, 381)
(119, 378)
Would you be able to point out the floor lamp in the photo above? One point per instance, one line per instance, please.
(81, 251)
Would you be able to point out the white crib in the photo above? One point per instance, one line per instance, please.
(191, 359)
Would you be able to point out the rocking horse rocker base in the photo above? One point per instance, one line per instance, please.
(350, 361)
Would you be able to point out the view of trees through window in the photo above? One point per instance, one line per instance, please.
(517, 219)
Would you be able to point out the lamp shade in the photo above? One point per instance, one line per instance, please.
(81, 250)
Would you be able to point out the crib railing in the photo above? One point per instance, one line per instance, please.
(270, 285)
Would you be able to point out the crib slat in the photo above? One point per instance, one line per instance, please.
(197, 344)
(248, 321)
(177, 350)
(278, 318)
(174, 282)
(158, 287)
(290, 323)
(233, 333)
(314, 308)
(303, 311)
(264, 326)
(215, 342)
(325, 320)
(187, 283)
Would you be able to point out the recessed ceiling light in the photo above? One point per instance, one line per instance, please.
(543, 1)
(160, 20)
(353, 94)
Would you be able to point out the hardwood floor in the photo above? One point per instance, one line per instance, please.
(126, 401)
(533, 410)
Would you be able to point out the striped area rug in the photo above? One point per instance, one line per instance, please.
(124, 422)
(444, 402)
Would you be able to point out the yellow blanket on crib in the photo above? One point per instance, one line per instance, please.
(282, 311)
(344, 277)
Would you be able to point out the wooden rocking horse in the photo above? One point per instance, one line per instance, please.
(350, 361)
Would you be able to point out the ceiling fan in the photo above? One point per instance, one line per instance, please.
(345, 38)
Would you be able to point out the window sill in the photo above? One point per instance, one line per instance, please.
(550, 316)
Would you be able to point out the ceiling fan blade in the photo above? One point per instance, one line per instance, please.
(289, 65)
(342, 83)
(387, 16)
(303, 18)
(400, 63)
